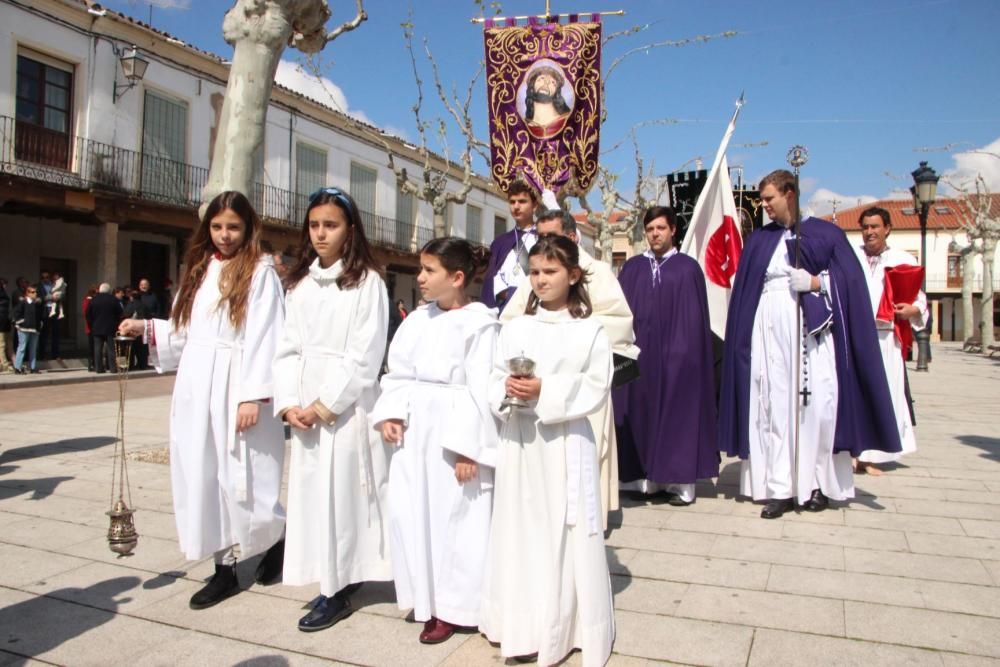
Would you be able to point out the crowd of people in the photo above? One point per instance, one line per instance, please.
(29, 321)
(104, 307)
(476, 464)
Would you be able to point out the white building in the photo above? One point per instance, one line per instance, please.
(100, 181)
(944, 267)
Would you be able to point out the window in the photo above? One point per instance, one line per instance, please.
(499, 226)
(164, 149)
(474, 224)
(404, 219)
(310, 176)
(954, 270)
(44, 91)
(363, 182)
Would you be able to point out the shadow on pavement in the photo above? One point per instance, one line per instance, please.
(55, 447)
(38, 625)
(38, 488)
(263, 661)
(990, 446)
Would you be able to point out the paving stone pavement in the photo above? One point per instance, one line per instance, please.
(907, 573)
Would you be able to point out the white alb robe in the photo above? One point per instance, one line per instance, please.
(439, 364)
(331, 351)
(225, 485)
(547, 584)
(892, 351)
(767, 474)
(612, 311)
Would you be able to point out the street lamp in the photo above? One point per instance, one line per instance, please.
(134, 69)
(924, 191)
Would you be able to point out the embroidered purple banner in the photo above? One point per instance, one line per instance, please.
(543, 91)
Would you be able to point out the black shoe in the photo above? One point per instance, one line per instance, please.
(35, 371)
(775, 508)
(18, 371)
(326, 612)
(269, 569)
(676, 501)
(817, 502)
(222, 585)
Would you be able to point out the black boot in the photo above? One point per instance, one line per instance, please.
(269, 569)
(222, 585)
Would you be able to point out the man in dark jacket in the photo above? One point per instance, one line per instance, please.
(29, 318)
(103, 315)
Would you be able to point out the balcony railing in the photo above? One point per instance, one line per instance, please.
(37, 153)
(939, 283)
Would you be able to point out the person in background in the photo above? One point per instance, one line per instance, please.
(103, 315)
(84, 305)
(29, 318)
(5, 329)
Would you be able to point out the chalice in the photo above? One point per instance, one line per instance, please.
(519, 367)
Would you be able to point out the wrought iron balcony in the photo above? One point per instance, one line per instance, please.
(37, 153)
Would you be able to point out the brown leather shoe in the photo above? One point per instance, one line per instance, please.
(436, 631)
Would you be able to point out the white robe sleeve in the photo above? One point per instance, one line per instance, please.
(567, 396)
(286, 361)
(478, 368)
(919, 322)
(394, 401)
(166, 345)
(261, 331)
(359, 367)
(611, 310)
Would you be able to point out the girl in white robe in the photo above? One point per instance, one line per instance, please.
(226, 451)
(547, 588)
(434, 407)
(326, 383)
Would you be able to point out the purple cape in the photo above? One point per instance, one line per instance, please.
(865, 418)
(499, 249)
(665, 420)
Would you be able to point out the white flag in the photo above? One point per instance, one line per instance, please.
(713, 236)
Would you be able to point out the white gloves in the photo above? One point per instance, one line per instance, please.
(800, 280)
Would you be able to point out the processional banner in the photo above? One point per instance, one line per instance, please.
(543, 85)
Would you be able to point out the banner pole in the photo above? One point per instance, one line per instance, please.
(483, 19)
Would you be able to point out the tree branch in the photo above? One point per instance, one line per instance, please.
(358, 19)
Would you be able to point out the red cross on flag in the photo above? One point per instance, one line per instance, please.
(713, 236)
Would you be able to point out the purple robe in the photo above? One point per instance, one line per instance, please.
(499, 249)
(665, 420)
(865, 418)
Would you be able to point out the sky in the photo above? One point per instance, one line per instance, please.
(869, 88)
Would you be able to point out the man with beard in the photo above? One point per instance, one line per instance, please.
(545, 109)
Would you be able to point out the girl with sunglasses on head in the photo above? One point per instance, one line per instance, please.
(226, 448)
(434, 408)
(326, 372)
(547, 589)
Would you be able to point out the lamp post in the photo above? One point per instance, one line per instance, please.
(924, 191)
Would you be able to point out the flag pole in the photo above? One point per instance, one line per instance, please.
(797, 157)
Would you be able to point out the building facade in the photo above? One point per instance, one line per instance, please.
(100, 179)
(945, 235)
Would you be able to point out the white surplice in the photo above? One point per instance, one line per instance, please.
(439, 363)
(547, 584)
(612, 311)
(331, 351)
(225, 485)
(767, 474)
(889, 345)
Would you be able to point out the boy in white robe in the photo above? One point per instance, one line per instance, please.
(434, 406)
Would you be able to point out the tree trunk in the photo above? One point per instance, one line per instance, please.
(241, 125)
(986, 316)
(440, 224)
(968, 318)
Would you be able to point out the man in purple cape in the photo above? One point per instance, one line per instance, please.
(508, 266)
(845, 407)
(665, 419)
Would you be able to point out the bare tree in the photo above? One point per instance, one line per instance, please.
(259, 31)
(980, 219)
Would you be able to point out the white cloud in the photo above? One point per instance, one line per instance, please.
(322, 90)
(822, 201)
(984, 161)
